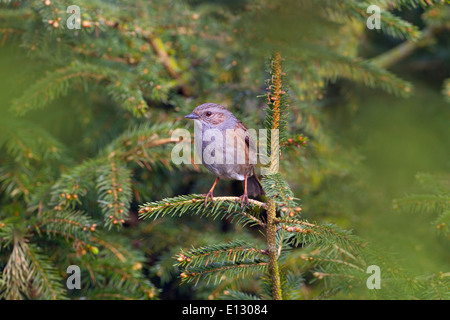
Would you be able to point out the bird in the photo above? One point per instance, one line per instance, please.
(226, 148)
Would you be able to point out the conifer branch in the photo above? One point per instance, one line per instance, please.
(45, 280)
(278, 190)
(276, 111)
(275, 120)
(219, 270)
(436, 203)
(423, 203)
(370, 73)
(272, 252)
(28, 274)
(237, 295)
(320, 235)
(390, 24)
(158, 47)
(114, 187)
(194, 205)
(405, 49)
(57, 83)
(234, 251)
(110, 247)
(66, 223)
(54, 186)
(15, 274)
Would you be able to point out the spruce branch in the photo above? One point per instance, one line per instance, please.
(237, 295)
(144, 144)
(219, 271)
(104, 56)
(45, 279)
(113, 247)
(121, 279)
(128, 281)
(57, 83)
(273, 252)
(308, 233)
(390, 24)
(234, 252)
(276, 122)
(223, 207)
(370, 73)
(18, 137)
(278, 190)
(116, 268)
(346, 11)
(168, 62)
(114, 188)
(423, 203)
(73, 224)
(436, 202)
(277, 104)
(60, 82)
(29, 274)
(15, 274)
(436, 17)
(407, 48)
(408, 4)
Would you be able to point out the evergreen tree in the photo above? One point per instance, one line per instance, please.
(86, 120)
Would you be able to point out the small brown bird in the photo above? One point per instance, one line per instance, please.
(226, 148)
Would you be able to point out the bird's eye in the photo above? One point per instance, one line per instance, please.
(208, 113)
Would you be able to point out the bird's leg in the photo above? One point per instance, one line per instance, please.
(210, 192)
(244, 197)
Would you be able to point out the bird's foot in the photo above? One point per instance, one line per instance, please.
(243, 198)
(209, 195)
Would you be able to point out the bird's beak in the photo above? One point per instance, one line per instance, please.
(192, 116)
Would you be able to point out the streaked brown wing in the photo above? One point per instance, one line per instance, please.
(240, 126)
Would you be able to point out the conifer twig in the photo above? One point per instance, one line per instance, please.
(153, 209)
(273, 252)
(271, 229)
(407, 48)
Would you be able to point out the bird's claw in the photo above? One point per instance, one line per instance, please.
(243, 198)
(209, 195)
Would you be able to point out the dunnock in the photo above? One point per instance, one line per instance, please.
(226, 148)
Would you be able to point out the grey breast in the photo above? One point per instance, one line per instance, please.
(214, 150)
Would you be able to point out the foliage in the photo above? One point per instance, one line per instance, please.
(86, 121)
(435, 203)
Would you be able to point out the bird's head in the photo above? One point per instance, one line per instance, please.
(210, 114)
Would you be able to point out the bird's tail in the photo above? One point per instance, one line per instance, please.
(254, 187)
